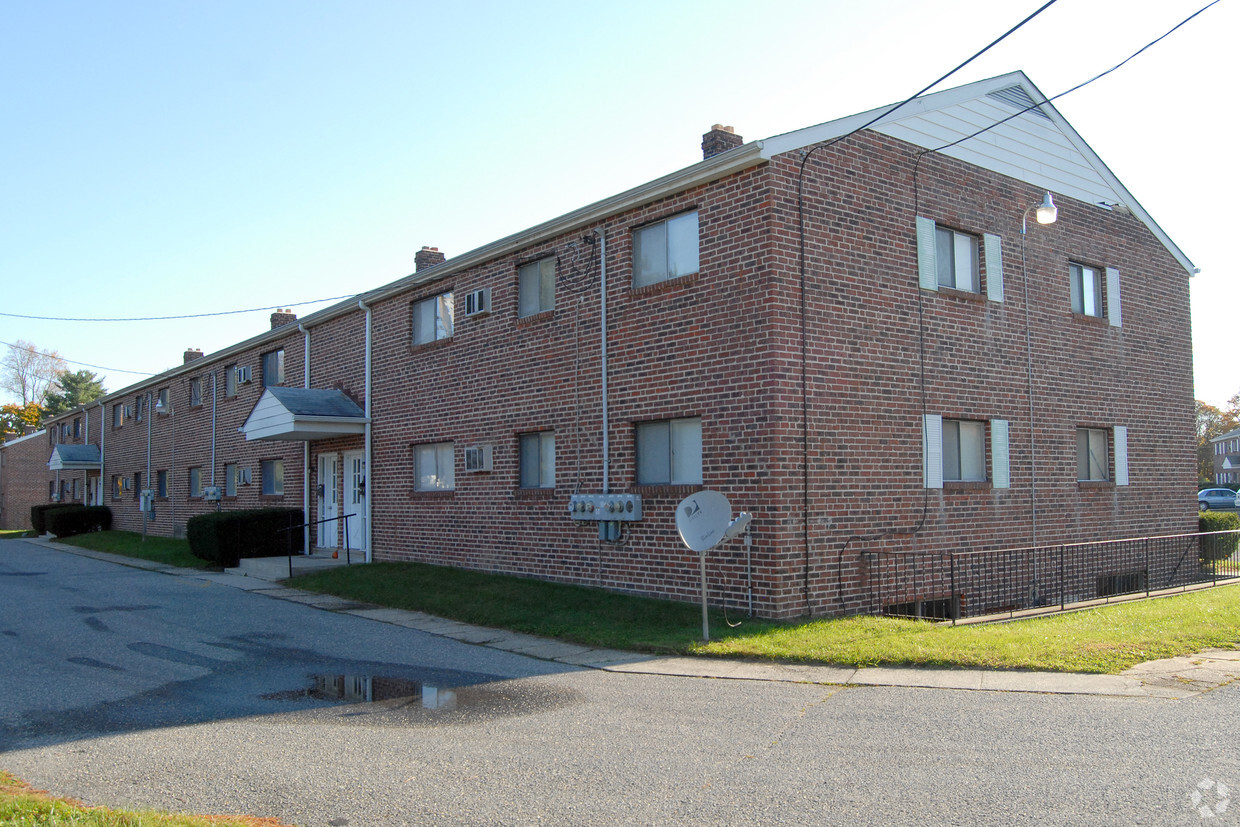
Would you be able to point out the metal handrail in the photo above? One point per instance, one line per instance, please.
(348, 559)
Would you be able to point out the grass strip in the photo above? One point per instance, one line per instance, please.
(167, 550)
(1103, 640)
(21, 805)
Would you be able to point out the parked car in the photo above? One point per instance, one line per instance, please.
(1217, 498)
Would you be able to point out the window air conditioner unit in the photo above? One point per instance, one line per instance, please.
(245, 473)
(55, 498)
(478, 458)
(478, 302)
(244, 374)
(129, 411)
(126, 484)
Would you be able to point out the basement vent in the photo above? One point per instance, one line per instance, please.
(1018, 98)
(1128, 582)
(478, 458)
(941, 609)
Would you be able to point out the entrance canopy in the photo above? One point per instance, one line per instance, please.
(303, 415)
(74, 458)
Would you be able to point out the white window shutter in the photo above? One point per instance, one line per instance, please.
(1000, 469)
(932, 450)
(927, 257)
(993, 246)
(1113, 305)
(1120, 441)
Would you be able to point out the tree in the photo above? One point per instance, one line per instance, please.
(14, 417)
(30, 373)
(73, 389)
(1213, 422)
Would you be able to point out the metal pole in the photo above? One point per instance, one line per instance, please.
(705, 619)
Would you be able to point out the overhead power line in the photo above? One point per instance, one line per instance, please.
(170, 318)
(83, 364)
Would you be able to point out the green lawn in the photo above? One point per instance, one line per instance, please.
(166, 550)
(1107, 639)
(20, 805)
(14, 533)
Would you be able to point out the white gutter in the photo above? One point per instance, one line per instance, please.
(103, 419)
(369, 470)
(602, 257)
(305, 454)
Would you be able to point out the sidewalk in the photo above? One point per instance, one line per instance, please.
(1175, 678)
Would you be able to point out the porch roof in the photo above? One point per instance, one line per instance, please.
(73, 457)
(303, 415)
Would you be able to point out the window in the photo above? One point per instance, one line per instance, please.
(665, 250)
(956, 259)
(161, 483)
(536, 287)
(195, 482)
(273, 368)
(137, 484)
(1086, 290)
(162, 401)
(118, 415)
(669, 452)
(1092, 455)
(137, 406)
(538, 460)
(77, 428)
(230, 480)
(230, 380)
(947, 258)
(954, 450)
(51, 490)
(273, 477)
(433, 467)
(118, 486)
(77, 489)
(432, 319)
(964, 451)
(195, 392)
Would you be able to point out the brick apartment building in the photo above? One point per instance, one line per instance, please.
(853, 340)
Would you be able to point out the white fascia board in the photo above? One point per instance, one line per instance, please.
(24, 438)
(802, 138)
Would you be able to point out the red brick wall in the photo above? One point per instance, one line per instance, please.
(726, 345)
(23, 478)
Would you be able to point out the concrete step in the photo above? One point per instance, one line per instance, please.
(277, 568)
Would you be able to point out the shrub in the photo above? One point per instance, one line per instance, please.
(78, 519)
(38, 515)
(224, 537)
(1223, 546)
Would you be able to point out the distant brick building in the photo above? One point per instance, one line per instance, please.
(849, 336)
(23, 478)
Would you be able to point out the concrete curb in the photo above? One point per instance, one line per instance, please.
(1174, 678)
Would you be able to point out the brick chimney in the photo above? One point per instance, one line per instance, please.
(191, 353)
(282, 317)
(720, 139)
(427, 257)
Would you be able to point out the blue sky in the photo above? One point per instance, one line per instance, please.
(163, 158)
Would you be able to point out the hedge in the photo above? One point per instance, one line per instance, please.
(39, 512)
(224, 537)
(1221, 547)
(78, 519)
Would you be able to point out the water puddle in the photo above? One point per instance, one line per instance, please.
(384, 696)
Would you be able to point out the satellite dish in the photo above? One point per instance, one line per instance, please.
(702, 518)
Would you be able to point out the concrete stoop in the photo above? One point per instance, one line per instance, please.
(277, 568)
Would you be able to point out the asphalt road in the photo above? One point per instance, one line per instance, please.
(126, 687)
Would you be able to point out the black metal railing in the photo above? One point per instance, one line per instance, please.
(348, 560)
(961, 584)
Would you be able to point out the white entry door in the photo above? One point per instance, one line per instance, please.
(355, 497)
(329, 502)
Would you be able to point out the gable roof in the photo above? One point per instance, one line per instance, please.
(67, 457)
(1038, 147)
(303, 414)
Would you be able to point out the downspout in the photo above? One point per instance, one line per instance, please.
(214, 402)
(369, 470)
(602, 258)
(86, 498)
(102, 437)
(305, 457)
